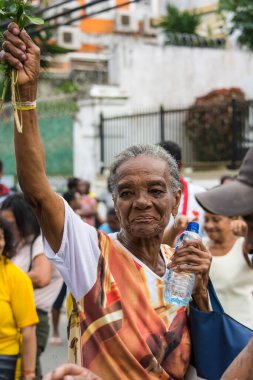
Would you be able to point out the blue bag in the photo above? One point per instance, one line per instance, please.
(216, 338)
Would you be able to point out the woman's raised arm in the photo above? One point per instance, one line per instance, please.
(23, 55)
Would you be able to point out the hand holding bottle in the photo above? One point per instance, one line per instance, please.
(192, 256)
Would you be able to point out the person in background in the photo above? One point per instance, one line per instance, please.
(29, 256)
(72, 183)
(88, 211)
(112, 222)
(233, 199)
(4, 190)
(189, 210)
(226, 178)
(231, 271)
(238, 225)
(74, 200)
(106, 197)
(18, 315)
(89, 203)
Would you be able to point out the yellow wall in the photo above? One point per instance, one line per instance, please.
(99, 25)
(95, 25)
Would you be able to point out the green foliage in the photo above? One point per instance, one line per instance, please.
(209, 123)
(19, 12)
(242, 19)
(68, 87)
(179, 22)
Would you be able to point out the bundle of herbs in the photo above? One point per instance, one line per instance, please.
(20, 12)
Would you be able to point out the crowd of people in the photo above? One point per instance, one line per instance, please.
(119, 324)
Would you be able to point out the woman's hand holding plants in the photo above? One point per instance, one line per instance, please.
(21, 53)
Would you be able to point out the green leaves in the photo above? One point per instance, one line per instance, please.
(179, 22)
(242, 19)
(19, 12)
(35, 20)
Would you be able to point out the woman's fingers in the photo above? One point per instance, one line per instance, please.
(7, 57)
(70, 371)
(13, 47)
(200, 268)
(14, 51)
(62, 371)
(191, 257)
(14, 39)
(192, 251)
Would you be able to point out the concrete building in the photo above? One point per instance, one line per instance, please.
(120, 64)
(92, 39)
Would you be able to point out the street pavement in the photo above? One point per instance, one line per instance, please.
(55, 355)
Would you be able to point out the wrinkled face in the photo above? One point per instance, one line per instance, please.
(2, 241)
(217, 226)
(249, 238)
(144, 200)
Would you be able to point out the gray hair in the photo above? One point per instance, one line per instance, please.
(155, 151)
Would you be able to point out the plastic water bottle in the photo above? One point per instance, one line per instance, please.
(179, 285)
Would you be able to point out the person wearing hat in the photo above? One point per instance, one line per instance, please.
(236, 199)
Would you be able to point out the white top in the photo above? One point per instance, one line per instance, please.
(233, 282)
(193, 205)
(78, 256)
(44, 297)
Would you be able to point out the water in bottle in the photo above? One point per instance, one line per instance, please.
(179, 285)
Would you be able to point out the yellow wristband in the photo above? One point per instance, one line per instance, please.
(25, 106)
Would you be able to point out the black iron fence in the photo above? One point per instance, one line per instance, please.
(208, 135)
(193, 40)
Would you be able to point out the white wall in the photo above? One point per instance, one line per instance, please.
(155, 75)
(86, 134)
(189, 4)
(148, 76)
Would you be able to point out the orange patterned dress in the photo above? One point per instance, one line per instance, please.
(122, 328)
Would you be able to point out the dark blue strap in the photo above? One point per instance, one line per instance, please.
(216, 305)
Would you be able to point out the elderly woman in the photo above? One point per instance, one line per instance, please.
(120, 325)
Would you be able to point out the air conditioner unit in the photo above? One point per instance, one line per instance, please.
(149, 25)
(69, 37)
(125, 22)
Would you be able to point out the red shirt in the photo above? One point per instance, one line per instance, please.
(4, 190)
